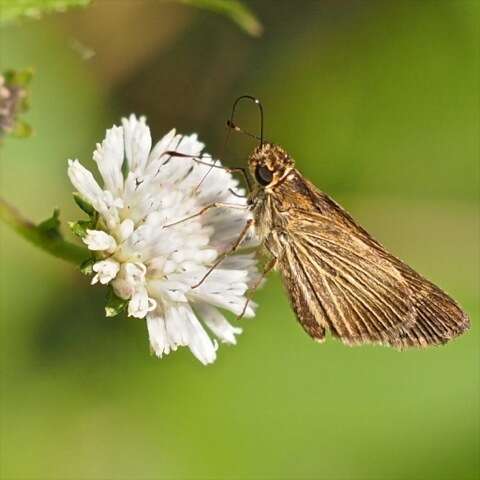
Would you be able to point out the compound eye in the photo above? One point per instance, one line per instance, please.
(263, 175)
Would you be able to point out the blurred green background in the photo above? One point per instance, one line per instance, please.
(378, 101)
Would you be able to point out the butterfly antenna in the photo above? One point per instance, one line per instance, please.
(232, 125)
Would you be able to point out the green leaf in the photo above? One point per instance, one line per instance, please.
(86, 267)
(80, 228)
(233, 9)
(115, 304)
(51, 226)
(11, 10)
(83, 204)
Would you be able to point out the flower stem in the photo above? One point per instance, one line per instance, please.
(53, 244)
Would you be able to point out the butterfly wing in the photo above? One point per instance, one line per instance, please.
(307, 309)
(438, 317)
(347, 287)
(338, 275)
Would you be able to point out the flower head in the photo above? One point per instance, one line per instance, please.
(148, 250)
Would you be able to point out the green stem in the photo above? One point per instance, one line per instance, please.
(56, 246)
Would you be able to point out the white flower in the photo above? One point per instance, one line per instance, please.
(150, 260)
(99, 240)
(106, 270)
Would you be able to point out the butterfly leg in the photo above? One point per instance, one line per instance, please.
(205, 209)
(199, 159)
(267, 269)
(228, 252)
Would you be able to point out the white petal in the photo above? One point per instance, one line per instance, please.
(89, 189)
(189, 145)
(106, 270)
(176, 296)
(137, 142)
(123, 288)
(199, 342)
(109, 158)
(183, 328)
(83, 180)
(161, 146)
(98, 240)
(126, 229)
(224, 289)
(246, 262)
(128, 280)
(157, 335)
(135, 271)
(217, 323)
(140, 304)
(176, 326)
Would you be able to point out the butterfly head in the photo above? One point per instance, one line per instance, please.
(269, 164)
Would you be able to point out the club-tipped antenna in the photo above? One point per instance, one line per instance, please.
(236, 128)
(232, 125)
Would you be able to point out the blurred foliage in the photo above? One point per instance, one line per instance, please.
(234, 9)
(379, 104)
(14, 101)
(11, 10)
(45, 235)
